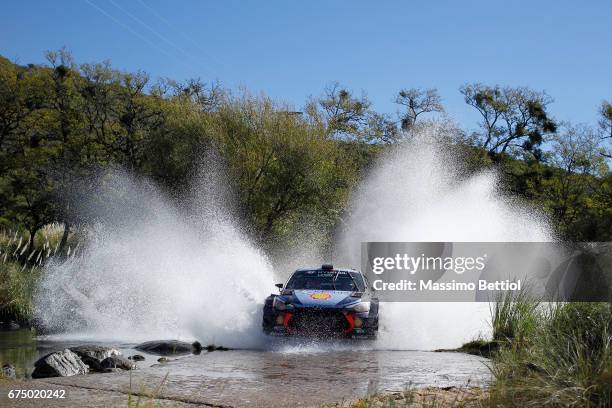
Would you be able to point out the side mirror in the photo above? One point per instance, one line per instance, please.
(279, 285)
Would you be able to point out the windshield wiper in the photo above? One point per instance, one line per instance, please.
(350, 276)
(334, 280)
(354, 282)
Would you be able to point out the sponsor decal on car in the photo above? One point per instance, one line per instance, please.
(320, 296)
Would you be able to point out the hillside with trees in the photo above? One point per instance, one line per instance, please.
(63, 124)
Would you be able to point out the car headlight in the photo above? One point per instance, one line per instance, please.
(361, 307)
(278, 304)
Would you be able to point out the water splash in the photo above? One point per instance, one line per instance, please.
(150, 270)
(420, 192)
(153, 270)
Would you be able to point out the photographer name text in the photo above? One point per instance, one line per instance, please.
(429, 285)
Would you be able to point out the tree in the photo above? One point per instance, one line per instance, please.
(418, 101)
(512, 118)
(205, 97)
(381, 128)
(581, 172)
(138, 114)
(605, 127)
(342, 114)
(286, 169)
(13, 104)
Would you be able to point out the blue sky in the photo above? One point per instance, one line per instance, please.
(290, 50)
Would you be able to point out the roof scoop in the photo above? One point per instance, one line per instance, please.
(327, 267)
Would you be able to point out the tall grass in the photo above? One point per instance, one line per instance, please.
(16, 290)
(556, 354)
(21, 266)
(514, 318)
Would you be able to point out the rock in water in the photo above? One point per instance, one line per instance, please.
(93, 355)
(93, 363)
(168, 347)
(8, 370)
(212, 347)
(118, 362)
(97, 352)
(59, 364)
(11, 325)
(136, 357)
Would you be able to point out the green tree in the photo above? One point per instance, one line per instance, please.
(342, 114)
(512, 118)
(417, 102)
(285, 167)
(605, 127)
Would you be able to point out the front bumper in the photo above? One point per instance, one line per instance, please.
(321, 323)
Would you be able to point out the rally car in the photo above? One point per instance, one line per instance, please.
(323, 302)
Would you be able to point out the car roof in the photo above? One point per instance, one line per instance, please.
(318, 268)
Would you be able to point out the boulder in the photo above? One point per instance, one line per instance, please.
(97, 352)
(118, 362)
(59, 364)
(93, 355)
(136, 357)
(163, 360)
(93, 363)
(169, 347)
(8, 370)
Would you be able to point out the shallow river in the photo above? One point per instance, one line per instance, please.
(288, 374)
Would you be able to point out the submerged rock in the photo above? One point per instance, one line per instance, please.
(169, 347)
(136, 357)
(8, 370)
(10, 325)
(212, 347)
(163, 360)
(118, 362)
(59, 364)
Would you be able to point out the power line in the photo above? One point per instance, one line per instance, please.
(159, 35)
(131, 30)
(182, 33)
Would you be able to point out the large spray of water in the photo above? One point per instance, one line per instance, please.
(152, 270)
(420, 192)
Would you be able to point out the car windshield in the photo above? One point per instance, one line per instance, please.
(326, 280)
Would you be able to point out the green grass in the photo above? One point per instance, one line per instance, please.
(17, 286)
(480, 347)
(554, 355)
(20, 269)
(514, 318)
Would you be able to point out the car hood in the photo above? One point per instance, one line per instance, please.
(322, 298)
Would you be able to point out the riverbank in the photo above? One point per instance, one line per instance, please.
(80, 395)
(429, 397)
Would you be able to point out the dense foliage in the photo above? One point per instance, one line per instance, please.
(62, 123)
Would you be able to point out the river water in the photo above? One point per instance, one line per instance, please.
(286, 374)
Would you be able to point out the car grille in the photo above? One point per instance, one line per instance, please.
(318, 323)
